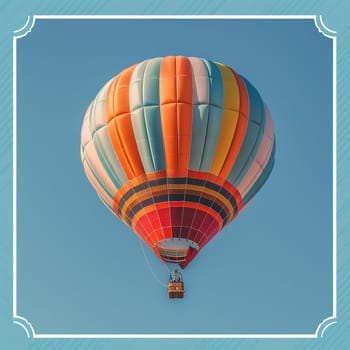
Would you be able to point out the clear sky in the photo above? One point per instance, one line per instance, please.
(80, 270)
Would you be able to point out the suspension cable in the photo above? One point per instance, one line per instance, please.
(166, 266)
(149, 266)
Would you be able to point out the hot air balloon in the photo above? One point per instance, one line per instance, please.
(176, 147)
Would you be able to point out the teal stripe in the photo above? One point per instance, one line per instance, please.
(262, 178)
(108, 158)
(145, 114)
(98, 179)
(177, 253)
(208, 118)
(253, 136)
(102, 142)
(137, 110)
(200, 115)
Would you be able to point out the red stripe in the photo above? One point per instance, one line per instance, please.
(195, 222)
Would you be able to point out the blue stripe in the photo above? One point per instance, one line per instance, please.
(96, 176)
(207, 121)
(262, 178)
(145, 114)
(253, 136)
(106, 154)
(102, 142)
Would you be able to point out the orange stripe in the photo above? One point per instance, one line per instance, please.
(241, 127)
(120, 126)
(175, 95)
(155, 191)
(135, 182)
(161, 175)
(110, 99)
(140, 180)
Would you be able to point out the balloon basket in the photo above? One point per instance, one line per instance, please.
(176, 290)
(176, 286)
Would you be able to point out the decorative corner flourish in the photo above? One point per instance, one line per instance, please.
(324, 325)
(26, 325)
(323, 29)
(27, 28)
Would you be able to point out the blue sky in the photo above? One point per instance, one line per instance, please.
(80, 270)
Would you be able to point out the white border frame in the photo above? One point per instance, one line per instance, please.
(26, 325)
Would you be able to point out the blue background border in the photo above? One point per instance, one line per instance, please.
(13, 15)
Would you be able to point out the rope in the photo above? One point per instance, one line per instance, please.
(149, 266)
(166, 266)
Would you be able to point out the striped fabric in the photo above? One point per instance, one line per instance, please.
(176, 147)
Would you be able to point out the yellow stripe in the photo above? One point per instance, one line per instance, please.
(212, 193)
(172, 251)
(229, 119)
(177, 254)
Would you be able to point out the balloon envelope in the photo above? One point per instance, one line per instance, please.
(175, 147)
